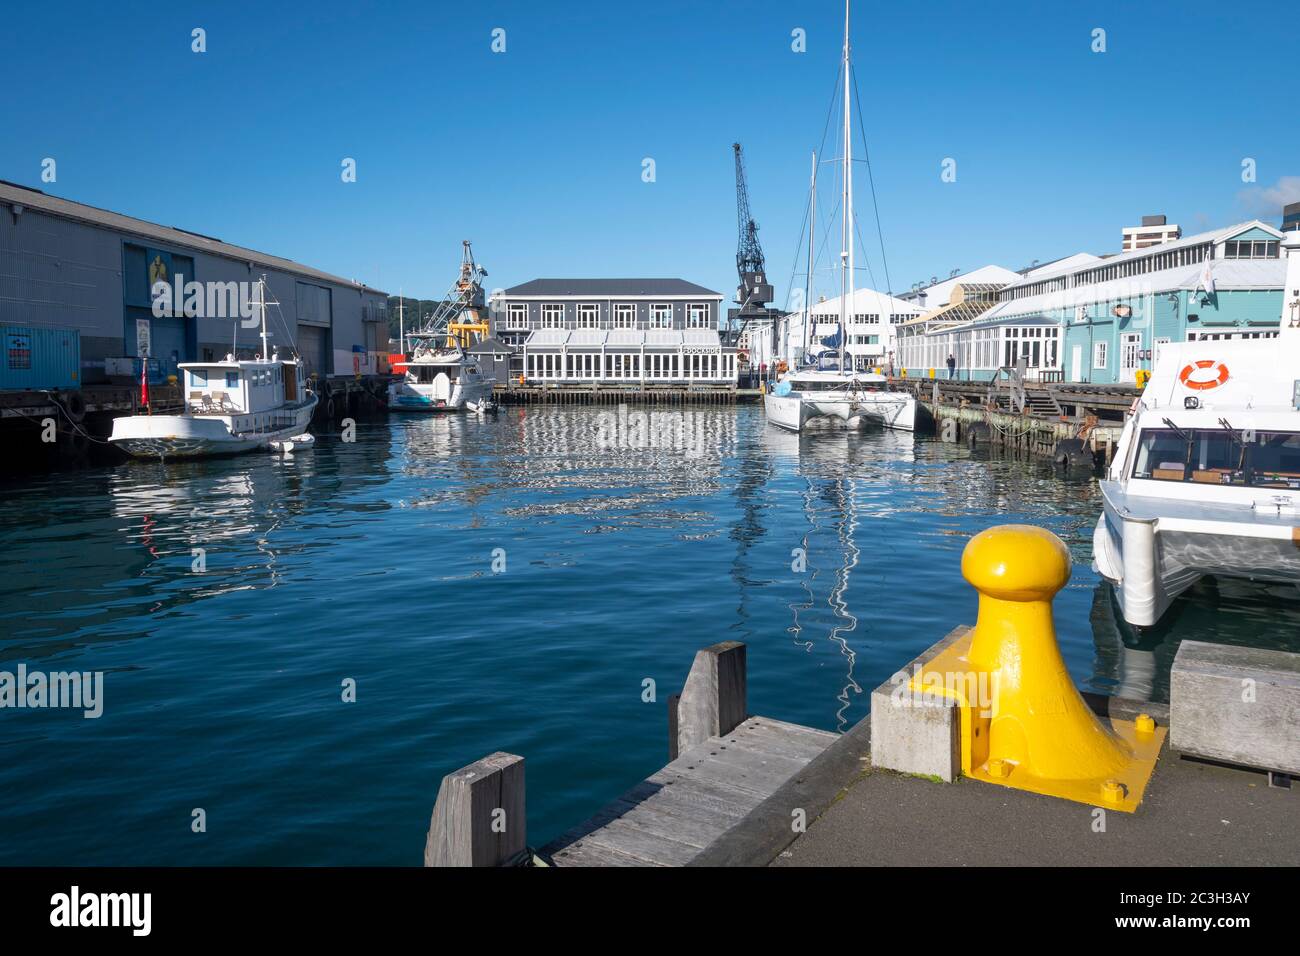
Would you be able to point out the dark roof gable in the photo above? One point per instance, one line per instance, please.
(610, 287)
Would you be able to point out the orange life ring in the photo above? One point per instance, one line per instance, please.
(1185, 376)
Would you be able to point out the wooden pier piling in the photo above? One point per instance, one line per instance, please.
(479, 817)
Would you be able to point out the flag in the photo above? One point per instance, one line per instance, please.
(144, 381)
(1207, 278)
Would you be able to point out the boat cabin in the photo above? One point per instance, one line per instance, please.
(232, 387)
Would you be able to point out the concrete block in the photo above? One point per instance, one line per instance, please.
(916, 734)
(1238, 705)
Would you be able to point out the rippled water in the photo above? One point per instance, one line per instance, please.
(626, 547)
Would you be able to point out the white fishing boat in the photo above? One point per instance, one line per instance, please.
(441, 375)
(231, 406)
(1206, 478)
(832, 390)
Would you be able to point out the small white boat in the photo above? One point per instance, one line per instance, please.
(1206, 478)
(287, 446)
(231, 406)
(441, 374)
(856, 399)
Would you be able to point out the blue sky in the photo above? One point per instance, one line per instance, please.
(536, 153)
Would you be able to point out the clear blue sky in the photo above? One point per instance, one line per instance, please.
(536, 153)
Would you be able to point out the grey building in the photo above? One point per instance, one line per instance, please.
(66, 264)
(642, 331)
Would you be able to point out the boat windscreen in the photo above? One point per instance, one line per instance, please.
(1219, 456)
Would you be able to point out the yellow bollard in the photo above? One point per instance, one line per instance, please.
(1023, 722)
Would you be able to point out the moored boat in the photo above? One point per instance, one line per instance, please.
(231, 406)
(1206, 479)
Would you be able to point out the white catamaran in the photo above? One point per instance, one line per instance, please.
(231, 406)
(832, 389)
(441, 375)
(1206, 479)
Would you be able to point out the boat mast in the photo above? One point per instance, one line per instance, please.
(401, 324)
(807, 286)
(266, 351)
(846, 248)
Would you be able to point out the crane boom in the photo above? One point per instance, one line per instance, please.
(754, 292)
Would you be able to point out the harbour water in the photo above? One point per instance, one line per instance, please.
(510, 583)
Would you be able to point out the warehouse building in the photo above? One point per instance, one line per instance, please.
(71, 266)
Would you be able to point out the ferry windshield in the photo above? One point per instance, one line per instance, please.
(1218, 456)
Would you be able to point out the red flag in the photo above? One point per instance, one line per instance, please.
(144, 381)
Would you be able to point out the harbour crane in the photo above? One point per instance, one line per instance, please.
(754, 292)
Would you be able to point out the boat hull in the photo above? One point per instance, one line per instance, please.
(200, 436)
(1150, 561)
(407, 397)
(886, 409)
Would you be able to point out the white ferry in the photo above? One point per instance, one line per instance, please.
(1206, 479)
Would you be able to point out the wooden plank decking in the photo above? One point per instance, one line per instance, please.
(669, 818)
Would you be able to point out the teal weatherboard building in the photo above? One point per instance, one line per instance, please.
(1102, 321)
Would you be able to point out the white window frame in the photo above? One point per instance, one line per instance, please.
(513, 312)
(588, 315)
(624, 316)
(661, 315)
(694, 319)
(552, 316)
(1099, 350)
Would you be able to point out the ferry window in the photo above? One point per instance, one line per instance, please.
(1161, 455)
(1219, 456)
(199, 378)
(1275, 460)
(232, 380)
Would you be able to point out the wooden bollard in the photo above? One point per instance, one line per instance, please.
(713, 701)
(479, 818)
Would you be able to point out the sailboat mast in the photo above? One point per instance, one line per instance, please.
(846, 279)
(807, 286)
(401, 324)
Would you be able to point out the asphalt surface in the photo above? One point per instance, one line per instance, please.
(1194, 814)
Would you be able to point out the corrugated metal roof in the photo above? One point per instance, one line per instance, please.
(625, 337)
(1228, 274)
(548, 337)
(604, 288)
(708, 337)
(663, 337)
(1213, 235)
(587, 337)
(67, 209)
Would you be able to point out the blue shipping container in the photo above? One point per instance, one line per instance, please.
(39, 357)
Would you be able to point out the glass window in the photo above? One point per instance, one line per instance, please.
(661, 316)
(198, 378)
(232, 380)
(697, 315)
(552, 316)
(1220, 456)
(588, 316)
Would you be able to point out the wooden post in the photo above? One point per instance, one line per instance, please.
(478, 819)
(713, 702)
